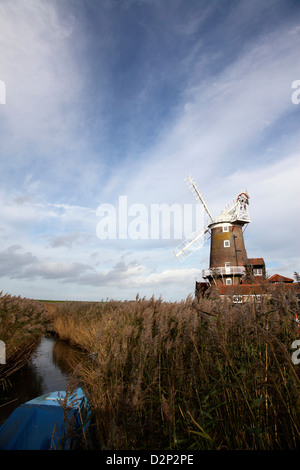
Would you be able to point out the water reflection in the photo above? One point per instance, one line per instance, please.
(48, 370)
(65, 357)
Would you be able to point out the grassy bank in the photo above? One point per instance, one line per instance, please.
(169, 376)
(22, 323)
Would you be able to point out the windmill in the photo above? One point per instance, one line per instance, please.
(228, 255)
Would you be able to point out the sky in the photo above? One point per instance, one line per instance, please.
(112, 102)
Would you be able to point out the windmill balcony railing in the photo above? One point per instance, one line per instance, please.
(223, 271)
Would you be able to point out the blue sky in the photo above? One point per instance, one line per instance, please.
(126, 97)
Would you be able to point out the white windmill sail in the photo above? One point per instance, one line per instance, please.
(197, 238)
(196, 194)
(192, 243)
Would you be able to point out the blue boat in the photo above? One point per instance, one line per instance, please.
(51, 421)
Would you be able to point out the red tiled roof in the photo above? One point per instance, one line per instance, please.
(241, 289)
(253, 289)
(279, 278)
(256, 261)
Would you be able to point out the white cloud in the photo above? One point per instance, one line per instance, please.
(38, 69)
(43, 129)
(69, 241)
(21, 215)
(12, 263)
(222, 119)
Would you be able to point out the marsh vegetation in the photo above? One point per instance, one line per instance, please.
(205, 374)
(22, 323)
(188, 375)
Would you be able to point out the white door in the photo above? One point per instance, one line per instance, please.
(227, 268)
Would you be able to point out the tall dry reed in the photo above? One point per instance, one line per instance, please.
(169, 376)
(22, 323)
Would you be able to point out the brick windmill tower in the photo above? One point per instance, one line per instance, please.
(228, 257)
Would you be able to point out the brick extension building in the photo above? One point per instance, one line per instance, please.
(253, 284)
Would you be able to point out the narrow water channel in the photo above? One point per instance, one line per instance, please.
(49, 370)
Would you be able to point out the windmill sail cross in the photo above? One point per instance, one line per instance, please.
(192, 243)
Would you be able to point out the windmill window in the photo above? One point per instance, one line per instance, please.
(225, 228)
(226, 243)
(237, 299)
(228, 281)
(257, 271)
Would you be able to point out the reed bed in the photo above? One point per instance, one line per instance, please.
(22, 323)
(205, 374)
